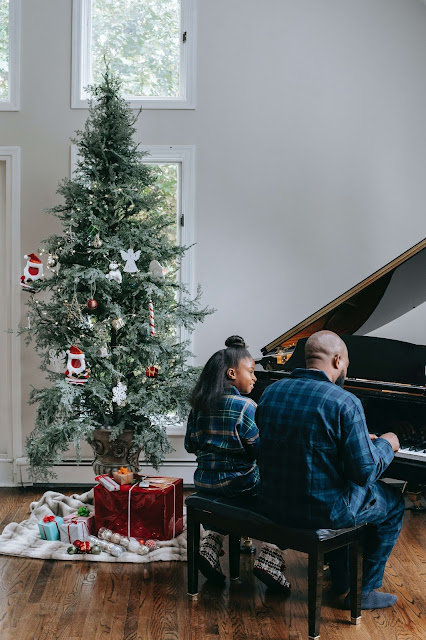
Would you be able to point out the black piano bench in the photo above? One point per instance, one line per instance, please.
(242, 519)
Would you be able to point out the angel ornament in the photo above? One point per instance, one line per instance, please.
(130, 257)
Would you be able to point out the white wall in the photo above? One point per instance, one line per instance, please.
(311, 151)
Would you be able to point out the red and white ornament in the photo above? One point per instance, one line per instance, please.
(152, 544)
(151, 319)
(76, 372)
(92, 304)
(33, 271)
(152, 372)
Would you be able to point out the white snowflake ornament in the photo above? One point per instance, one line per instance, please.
(57, 360)
(119, 394)
(130, 257)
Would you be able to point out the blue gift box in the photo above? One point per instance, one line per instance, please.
(49, 529)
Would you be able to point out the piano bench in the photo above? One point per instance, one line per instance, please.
(240, 518)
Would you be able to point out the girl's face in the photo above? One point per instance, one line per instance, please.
(242, 376)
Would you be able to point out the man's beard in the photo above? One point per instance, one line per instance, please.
(341, 380)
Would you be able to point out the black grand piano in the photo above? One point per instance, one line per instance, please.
(389, 376)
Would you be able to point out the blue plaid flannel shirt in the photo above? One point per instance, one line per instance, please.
(318, 466)
(226, 444)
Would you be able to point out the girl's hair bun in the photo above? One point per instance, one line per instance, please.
(235, 341)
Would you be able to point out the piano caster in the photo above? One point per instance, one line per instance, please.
(415, 498)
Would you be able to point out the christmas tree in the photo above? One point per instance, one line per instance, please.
(115, 303)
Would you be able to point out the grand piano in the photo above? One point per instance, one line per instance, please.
(389, 376)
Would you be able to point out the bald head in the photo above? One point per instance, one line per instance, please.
(324, 350)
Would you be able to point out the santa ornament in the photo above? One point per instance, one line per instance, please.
(76, 372)
(33, 271)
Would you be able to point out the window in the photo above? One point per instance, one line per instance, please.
(150, 45)
(10, 13)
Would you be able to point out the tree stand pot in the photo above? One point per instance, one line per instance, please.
(111, 455)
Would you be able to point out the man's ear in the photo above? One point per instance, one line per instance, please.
(337, 361)
(230, 374)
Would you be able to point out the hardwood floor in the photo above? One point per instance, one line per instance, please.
(54, 600)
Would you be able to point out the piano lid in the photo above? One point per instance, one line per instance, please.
(387, 294)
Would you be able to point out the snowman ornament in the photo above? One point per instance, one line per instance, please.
(76, 372)
(33, 271)
(114, 273)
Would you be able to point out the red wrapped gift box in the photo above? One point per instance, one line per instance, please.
(152, 512)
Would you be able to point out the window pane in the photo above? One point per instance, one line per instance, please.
(141, 41)
(4, 49)
(167, 183)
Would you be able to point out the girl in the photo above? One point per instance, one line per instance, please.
(222, 433)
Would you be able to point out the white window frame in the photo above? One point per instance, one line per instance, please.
(81, 60)
(13, 103)
(184, 157)
(11, 248)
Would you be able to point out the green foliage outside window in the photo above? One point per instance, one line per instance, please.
(141, 43)
(4, 49)
(167, 184)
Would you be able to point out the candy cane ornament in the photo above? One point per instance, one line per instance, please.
(151, 318)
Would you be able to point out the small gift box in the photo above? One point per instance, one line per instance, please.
(82, 515)
(123, 475)
(76, 528)
(49, 527)
(108, 482)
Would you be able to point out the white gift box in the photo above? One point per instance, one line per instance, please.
(74, 530)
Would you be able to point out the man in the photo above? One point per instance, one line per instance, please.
(319, 467)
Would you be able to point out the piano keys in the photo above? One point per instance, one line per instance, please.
(389, 376)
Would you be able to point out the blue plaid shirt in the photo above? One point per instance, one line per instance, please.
(225, 442)
(318, 466)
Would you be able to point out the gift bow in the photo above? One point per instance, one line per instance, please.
(123, 470)
(49, 519)
(83, 511)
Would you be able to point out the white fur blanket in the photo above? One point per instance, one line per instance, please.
(23, 539)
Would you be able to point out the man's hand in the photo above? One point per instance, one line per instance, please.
(392, 438)
(373, 436)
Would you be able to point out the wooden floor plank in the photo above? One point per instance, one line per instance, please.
(67, 600)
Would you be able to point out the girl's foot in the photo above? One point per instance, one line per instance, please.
(269, 568)
(210, 550)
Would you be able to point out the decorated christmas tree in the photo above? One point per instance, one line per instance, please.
(106, 316)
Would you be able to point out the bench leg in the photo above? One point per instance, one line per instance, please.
(234, 557)
(355, 571)
(315, 572)
(193, 548)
